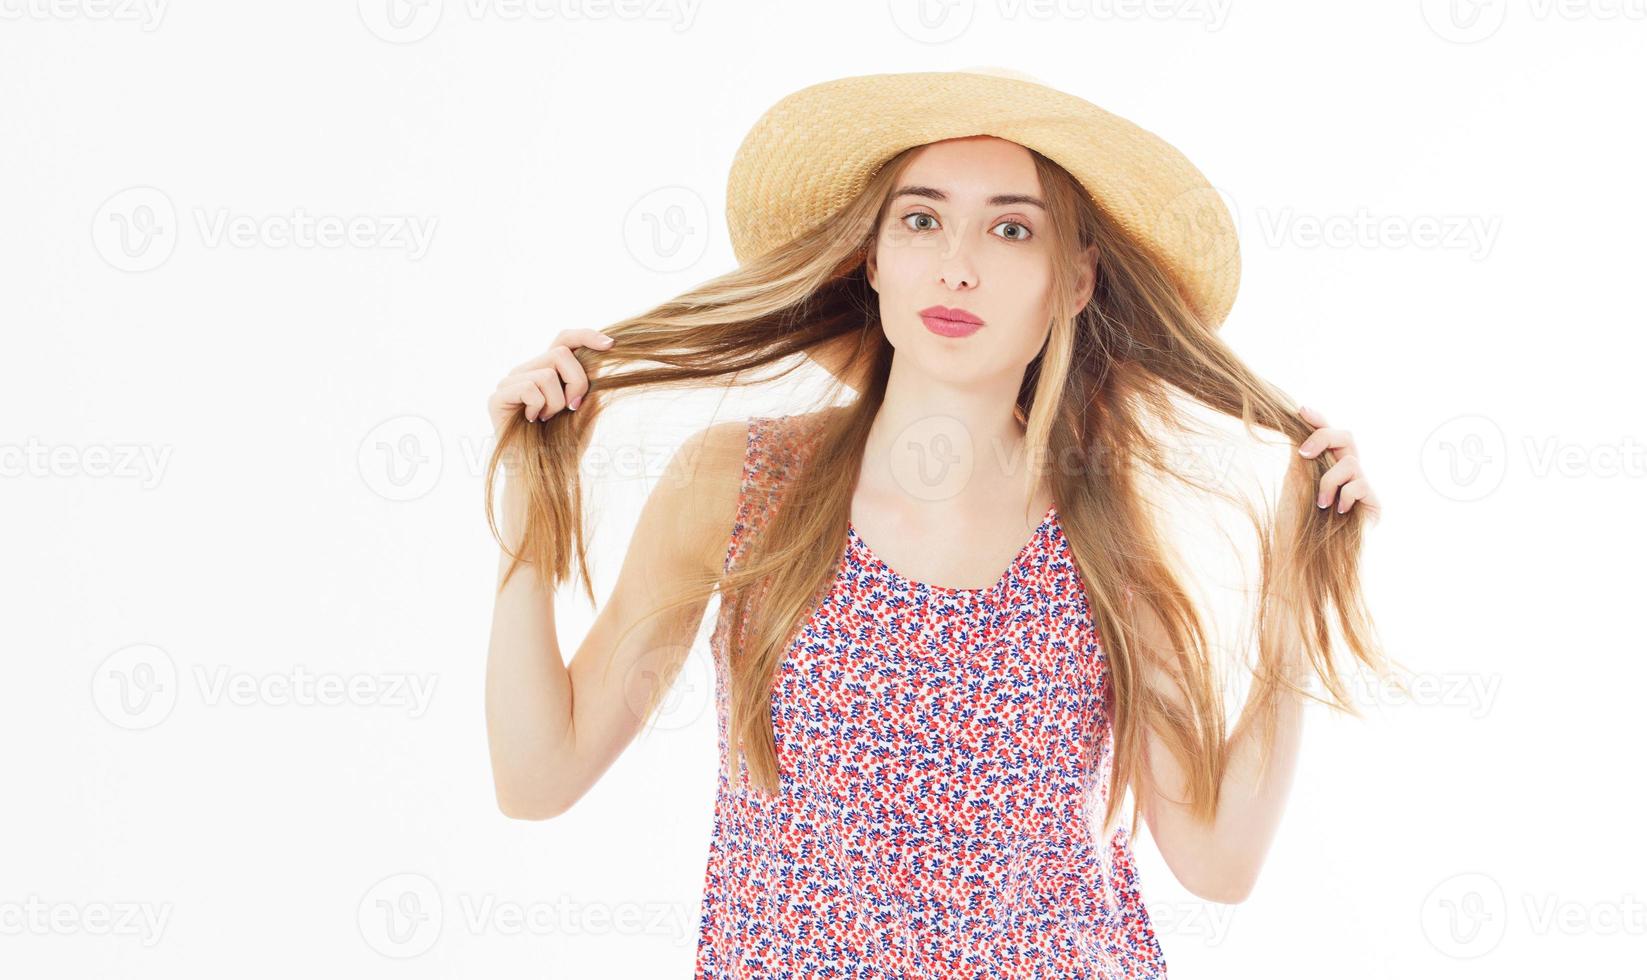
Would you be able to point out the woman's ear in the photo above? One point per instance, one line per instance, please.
(1089, 278)
(1086, 280)
(869, 269)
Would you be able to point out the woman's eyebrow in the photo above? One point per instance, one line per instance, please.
(999, 200)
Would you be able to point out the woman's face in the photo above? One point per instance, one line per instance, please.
(965, 237)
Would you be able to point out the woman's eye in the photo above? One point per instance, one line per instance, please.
(1022, 234)
(1023, 230)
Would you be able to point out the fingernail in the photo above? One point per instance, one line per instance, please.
(1303, 452)
(574, 403)
(606, 338)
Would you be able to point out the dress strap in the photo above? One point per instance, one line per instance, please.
(766, 461)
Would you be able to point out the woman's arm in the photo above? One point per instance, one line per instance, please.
(1220, 861)
(555, 728)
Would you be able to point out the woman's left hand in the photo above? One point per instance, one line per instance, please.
(1345, 479)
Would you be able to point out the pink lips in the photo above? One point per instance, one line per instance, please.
(950, 322)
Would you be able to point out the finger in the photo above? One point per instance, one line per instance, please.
(551, 385)
(578, 337)
(586, 337)
(1312, 416)
(531, 399)
(539, 362)
(547, 382)
(537, 391)
(1351, 492)
(1320, 439)
(574, 382)
(1338, 474)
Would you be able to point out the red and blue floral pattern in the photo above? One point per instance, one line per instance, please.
(943, 754)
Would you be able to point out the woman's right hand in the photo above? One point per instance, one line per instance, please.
(547, 383)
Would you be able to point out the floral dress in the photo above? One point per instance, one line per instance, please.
(943, 754)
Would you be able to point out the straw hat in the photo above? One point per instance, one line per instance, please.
(816, 148)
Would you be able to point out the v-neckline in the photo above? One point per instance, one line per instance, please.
(1023, 554)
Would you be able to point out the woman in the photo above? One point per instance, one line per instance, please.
(949, 620)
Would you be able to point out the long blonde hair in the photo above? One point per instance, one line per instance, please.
(1096, 400)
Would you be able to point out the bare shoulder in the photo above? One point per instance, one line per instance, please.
(698, 491)
(697, 496)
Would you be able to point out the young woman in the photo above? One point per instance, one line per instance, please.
(950, 629)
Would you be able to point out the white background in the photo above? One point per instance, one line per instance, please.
(257, 462)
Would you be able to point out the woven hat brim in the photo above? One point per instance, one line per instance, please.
(815, 149)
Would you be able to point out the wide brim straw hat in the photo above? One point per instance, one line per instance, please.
(816, 149)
